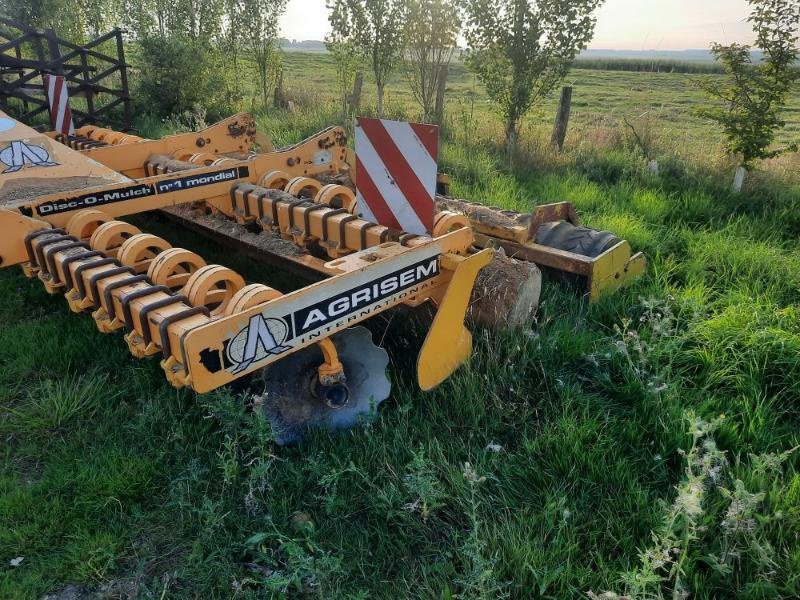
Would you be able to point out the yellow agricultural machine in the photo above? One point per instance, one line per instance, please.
(61, 196)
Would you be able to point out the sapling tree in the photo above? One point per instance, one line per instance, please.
(432, 29)
(522, 49)
(345, 52)
(753, 95)
(261, 39)
(375, 29)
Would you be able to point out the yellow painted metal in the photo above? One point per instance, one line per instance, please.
(274, 180)
(84, 223)
(303, 187)
(615, 268)
(173, 267)
(446, 221)
(139, 251)
(33, 156)
(234, 134)
(112, 198)
(250, 296)
(213, 286)
(15, 226)
(216, 335)
(449, 342)
(337, 196)
(109, 236)
(117, 195)
(214, 302)
(324, 152)
(331, 370)
(612, 269)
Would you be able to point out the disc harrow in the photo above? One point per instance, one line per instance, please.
(208, 325)
(550, 236)
(298, 206)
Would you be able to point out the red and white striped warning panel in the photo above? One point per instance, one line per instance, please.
(55, 87)
(396, 165)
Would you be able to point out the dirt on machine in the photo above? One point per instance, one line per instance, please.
(62, 198)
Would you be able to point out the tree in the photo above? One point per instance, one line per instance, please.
(181, 64)
(522, 49)
(432, 28)
(375, 28)
(69, 18)
(754, 95)
(261, 39)
(346, 56)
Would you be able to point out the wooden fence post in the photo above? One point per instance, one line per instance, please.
(123, 75)
(440, 90)
(562, 118)
(355, 98)
(87, 90)
(278, 97)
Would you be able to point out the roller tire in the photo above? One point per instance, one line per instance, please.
(562, 235)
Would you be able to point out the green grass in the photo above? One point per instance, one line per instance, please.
(540, 469)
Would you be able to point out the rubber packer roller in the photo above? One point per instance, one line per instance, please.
(552, 236)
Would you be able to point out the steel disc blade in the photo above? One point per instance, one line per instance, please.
(291, 399)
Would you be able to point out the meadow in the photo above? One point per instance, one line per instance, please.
(642, 445)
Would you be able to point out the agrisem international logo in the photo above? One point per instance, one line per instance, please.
(261, 338)
(307, 318)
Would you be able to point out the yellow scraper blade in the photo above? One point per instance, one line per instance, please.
(449, 343)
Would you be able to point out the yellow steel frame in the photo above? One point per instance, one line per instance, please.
(127, 154)
(213, 305)
(171, 302)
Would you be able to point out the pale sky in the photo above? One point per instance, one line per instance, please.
(621, 24)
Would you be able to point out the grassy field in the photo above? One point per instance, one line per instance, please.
(644, 444)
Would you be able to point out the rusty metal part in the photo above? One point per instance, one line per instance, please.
(331, 370)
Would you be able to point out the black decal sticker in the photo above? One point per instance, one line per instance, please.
(209, 358)
(95, 199)
(265, 336)
(337, 307)
(191, 182)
